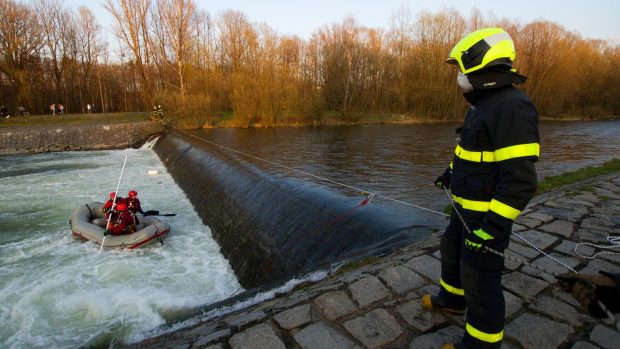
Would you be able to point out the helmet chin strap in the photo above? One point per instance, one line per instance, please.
(463, 82)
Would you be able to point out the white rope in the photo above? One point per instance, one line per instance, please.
(613, 242)
(114, 201)
(317, 177)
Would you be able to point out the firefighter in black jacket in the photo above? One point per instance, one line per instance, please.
(491, 179)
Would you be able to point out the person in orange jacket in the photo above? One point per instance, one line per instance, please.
(121, 221)
(107, 207)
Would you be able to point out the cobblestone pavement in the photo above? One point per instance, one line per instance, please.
(377, 304)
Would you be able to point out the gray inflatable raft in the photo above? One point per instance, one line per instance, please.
(88, 222)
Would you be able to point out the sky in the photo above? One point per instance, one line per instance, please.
(595, 19)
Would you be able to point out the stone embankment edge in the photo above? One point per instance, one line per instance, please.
(54, 138)
(376, 305)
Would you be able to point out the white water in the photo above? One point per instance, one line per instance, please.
(58, 292)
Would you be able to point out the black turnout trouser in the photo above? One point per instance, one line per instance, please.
(477, 275)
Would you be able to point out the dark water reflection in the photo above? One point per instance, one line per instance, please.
(402, 162)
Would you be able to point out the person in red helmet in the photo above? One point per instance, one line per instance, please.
(121, 221)
(133, 203)
(107, 207)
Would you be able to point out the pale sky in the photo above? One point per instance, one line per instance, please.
(596, 19)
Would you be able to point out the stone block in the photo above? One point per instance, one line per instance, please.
(335, 305)
(545, 218)
(245, 318)
(584, 345)
(258, 337)
(401, 279)
(451, 334)
(523, 250)
(595, 265)
(525, 286)
(295, 317)
(571, 215)
(368, 290)
(552, 267)
(209, 338)
(427, 266)
(419, 318)
(374, 329)
(604, 337)
(513, 304)
(532, 331)
(568, 247)
(559, 227)
(598, 225)
(535, 237)
(558, 310)
(321, 336)
(593, 236)
(527, 221)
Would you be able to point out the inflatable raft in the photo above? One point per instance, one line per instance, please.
(88, 222)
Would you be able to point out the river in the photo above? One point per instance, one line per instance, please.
(56, 291)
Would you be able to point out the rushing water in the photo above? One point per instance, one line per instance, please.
(57, 292)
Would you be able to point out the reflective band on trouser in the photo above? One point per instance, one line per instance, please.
(483, 336)
(452, 289)
(474, 156)
(472, 205)
(504, 210)
(517, 151)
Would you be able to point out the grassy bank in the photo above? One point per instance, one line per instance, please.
(72, 119)
(554, 182)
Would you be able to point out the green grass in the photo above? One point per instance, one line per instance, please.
(72, 119)
(554, 182)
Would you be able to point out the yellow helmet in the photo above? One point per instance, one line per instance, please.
(483, 48)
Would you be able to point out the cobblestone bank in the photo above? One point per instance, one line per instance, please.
(377, 305)
(41, 139)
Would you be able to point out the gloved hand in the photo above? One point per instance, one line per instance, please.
(478, 240)
(443, 181)
(588, 289)
(106, 233)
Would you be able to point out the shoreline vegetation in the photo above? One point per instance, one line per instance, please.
(344, 73)
(228, 120)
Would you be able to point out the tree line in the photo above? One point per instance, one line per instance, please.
(200, 67)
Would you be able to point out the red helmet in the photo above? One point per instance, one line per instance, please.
(122, 206)
(132, 193)
(112, 195)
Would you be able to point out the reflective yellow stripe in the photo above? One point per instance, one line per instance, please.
(504, 210)
(475, 156)
(452, 289)
(517, 151)
(514, 151)
(451, 162)
(483, 336)
(483, 234)
(472, 205)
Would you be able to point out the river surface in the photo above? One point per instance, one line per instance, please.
(56, 291)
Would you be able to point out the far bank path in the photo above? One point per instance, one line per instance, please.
(377, 305)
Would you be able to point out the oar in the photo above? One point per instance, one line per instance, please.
(114, 202)
(156, 213)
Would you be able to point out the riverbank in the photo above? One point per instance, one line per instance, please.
(65, 135)
(376, 303)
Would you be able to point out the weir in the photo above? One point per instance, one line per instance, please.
(271, 225)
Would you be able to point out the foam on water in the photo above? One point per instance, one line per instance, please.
(56, 291)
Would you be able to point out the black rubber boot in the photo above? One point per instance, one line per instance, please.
(438, 303)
